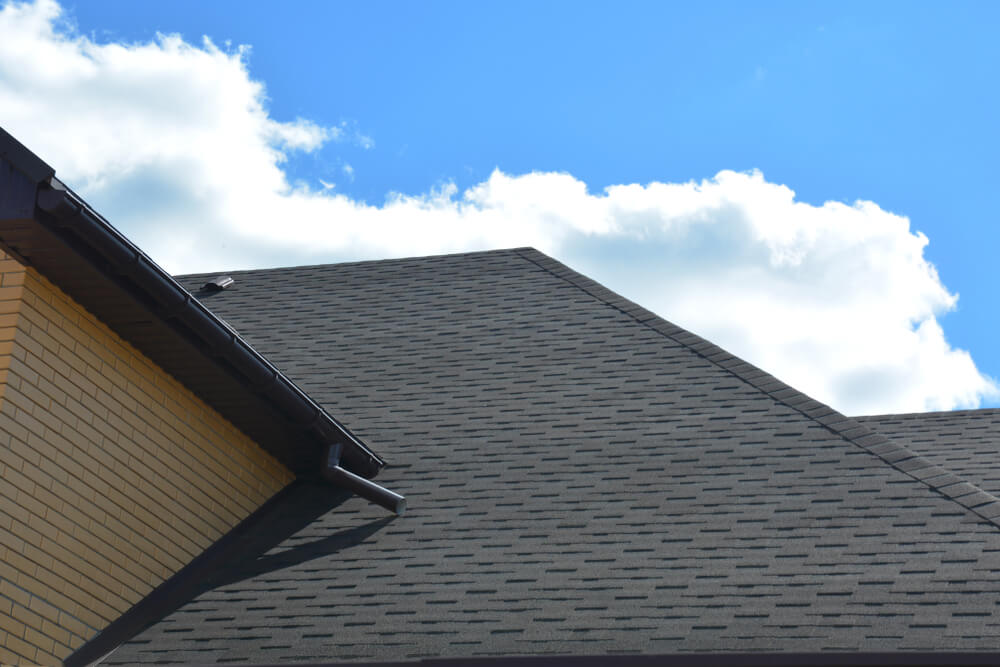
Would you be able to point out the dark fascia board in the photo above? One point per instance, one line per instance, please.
(721, 659)
(46, 225)
(14, 152)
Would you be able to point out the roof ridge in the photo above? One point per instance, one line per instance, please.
(384, 260)
(934, 413)
(951, 486)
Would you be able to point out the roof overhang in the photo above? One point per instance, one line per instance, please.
(46, 225)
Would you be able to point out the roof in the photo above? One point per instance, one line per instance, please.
(967, 442)
(46, 225)
(584, 478)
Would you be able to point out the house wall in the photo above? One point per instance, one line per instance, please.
(113, 476)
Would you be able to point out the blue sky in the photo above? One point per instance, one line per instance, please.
(890, 103)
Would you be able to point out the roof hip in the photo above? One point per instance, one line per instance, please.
(971, 497)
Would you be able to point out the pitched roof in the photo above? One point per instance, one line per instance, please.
(967, 442)
(583, 478)
(46, 225)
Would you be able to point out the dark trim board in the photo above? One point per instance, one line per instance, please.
(831, 659)
(46, 225)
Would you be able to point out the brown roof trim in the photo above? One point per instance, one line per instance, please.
(46, 225)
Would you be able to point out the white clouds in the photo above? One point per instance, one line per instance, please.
(174, 143)
(299, 135)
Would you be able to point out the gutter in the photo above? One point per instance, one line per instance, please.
(84, 231)
(69, 212)
(365, 488)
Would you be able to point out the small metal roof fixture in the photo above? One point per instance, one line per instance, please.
(218, 284)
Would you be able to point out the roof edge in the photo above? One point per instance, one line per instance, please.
(22, 159)
(66, 209)
(932, 414)
(830, 658)
(32, 196)
(938, 479)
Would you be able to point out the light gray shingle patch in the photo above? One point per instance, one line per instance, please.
(580, 481)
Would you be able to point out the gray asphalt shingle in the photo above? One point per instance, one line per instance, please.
(582, 477)
(965, 442)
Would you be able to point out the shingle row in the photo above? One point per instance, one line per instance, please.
(582, 478)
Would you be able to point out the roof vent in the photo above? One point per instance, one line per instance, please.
(218, 284)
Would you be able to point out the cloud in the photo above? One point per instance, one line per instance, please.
(173, 142)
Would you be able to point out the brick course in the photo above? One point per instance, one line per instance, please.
(113, 475)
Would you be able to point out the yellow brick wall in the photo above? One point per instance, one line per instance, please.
(113, 476)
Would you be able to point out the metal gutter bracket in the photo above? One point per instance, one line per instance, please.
(358, 485)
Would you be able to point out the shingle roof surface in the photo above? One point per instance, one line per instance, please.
(582, 478)
(967, 442)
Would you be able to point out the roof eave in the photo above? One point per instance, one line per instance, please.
(46, 225)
